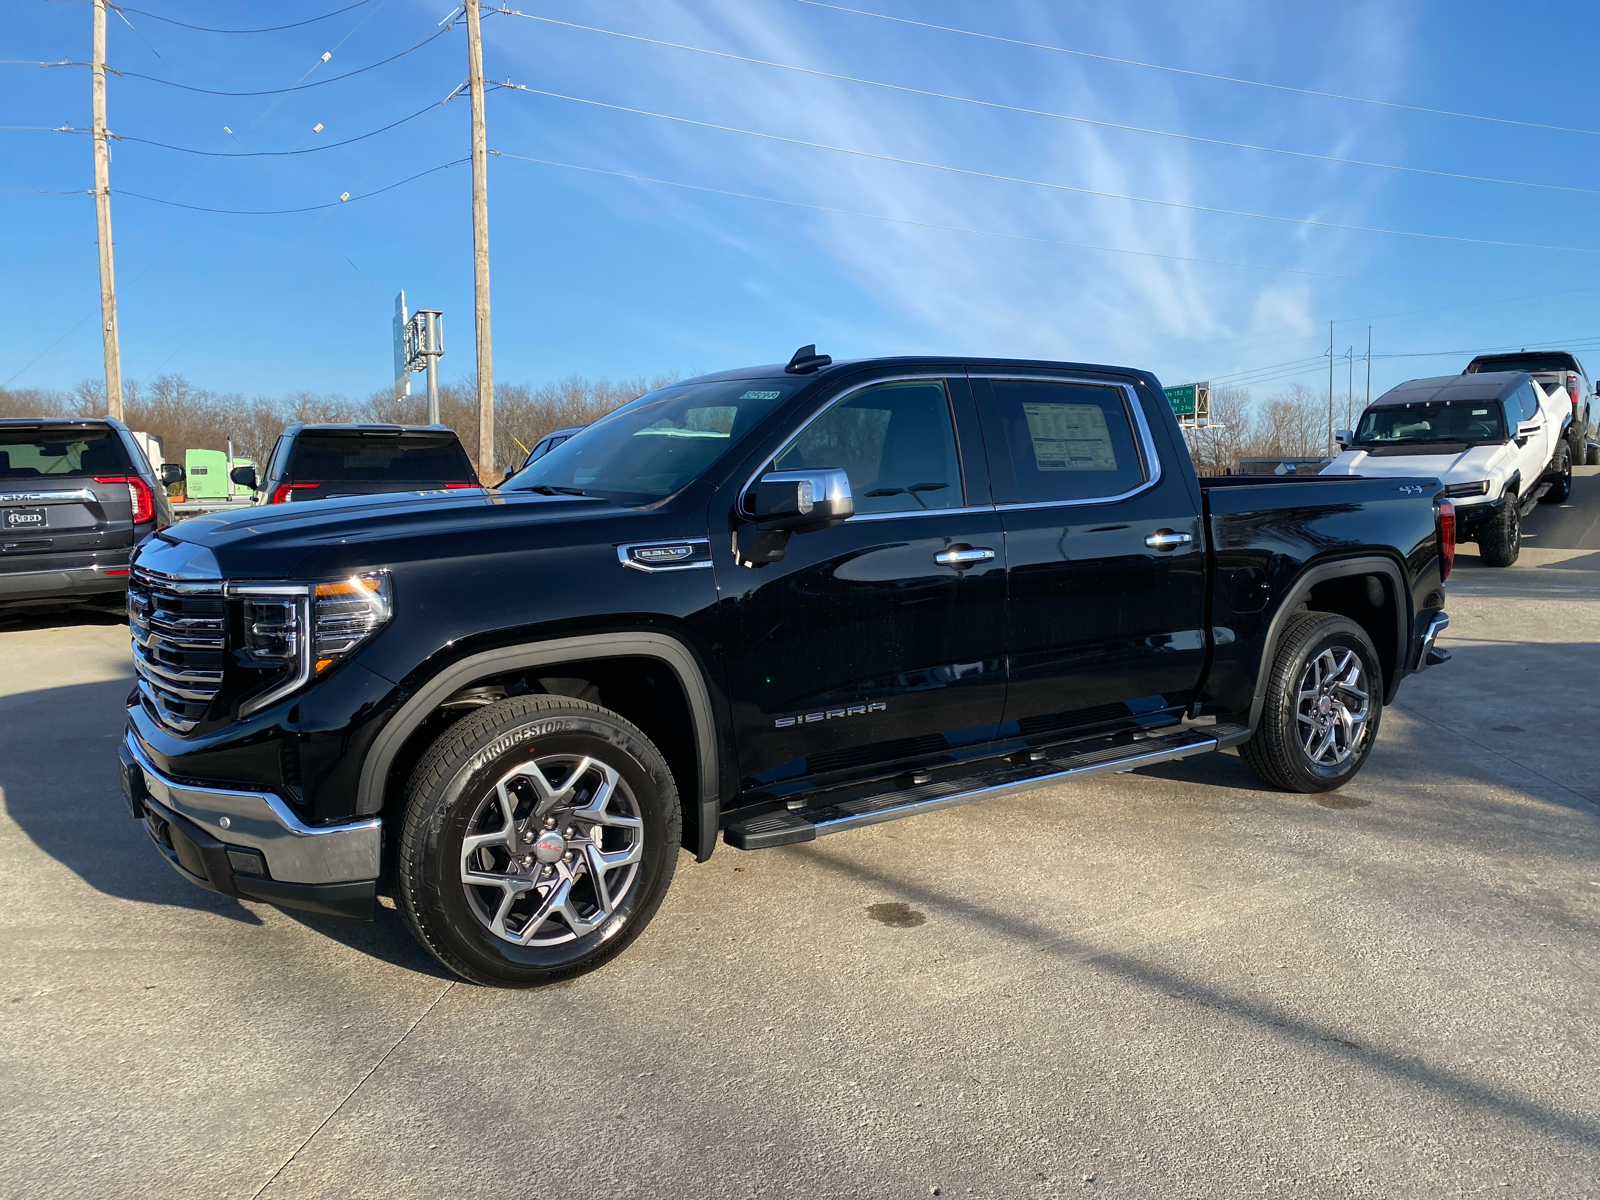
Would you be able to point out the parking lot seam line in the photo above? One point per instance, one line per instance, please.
(360, 1083)
(1490, 750)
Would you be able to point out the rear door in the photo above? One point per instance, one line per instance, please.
(63, 490)
(1105, 556)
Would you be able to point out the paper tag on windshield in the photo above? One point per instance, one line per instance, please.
(1070, 437)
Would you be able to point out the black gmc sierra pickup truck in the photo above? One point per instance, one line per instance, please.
(770, 604)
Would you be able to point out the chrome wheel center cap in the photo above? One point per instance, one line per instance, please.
(550, 846)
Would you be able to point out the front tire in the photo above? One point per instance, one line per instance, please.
(1561, 480)
(539, 837)
(1501, 539)
(1324, 700)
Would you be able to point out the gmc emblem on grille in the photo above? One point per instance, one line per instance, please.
(830, 714)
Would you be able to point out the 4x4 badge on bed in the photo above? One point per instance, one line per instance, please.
(1409, 487)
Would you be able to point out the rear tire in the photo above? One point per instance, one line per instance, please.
(1561, 480)
(1324, 701)
(1501, 539)
(539, 837)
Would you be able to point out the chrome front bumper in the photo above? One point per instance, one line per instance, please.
(295, 853)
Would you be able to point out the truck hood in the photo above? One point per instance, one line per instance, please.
(1476, 462)
(283, 541)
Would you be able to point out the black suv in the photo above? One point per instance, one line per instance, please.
(75, 497)
(315, 462)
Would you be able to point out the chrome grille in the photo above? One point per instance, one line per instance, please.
(179, 640)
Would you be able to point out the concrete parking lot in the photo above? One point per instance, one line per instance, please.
(1169, 983)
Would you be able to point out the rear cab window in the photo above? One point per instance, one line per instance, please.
(1065, 441)
(28, 454)
(356, 457)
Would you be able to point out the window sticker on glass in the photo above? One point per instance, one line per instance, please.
(1070, 437)
(760, 395)
(697, 423)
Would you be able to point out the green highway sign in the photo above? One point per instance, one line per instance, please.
(1190, 399)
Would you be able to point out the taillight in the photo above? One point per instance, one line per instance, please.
(1572, 387)
(280, 494)
(144, 504)
(1447, 538)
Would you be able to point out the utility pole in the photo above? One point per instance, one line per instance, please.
(1369, 365)
(480, 244)
(1350, 387)
(102, 214)
(1330, 388)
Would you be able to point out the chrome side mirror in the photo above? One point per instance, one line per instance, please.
(784, 503)
(802, 499)
(1344, 437)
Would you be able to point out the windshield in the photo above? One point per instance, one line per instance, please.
(60, 453)
(1471, 421)
(658, 444)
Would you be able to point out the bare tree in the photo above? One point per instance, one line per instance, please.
(1293, 424)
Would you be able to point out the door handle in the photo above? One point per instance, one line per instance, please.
(1166, 539)
(963, 557)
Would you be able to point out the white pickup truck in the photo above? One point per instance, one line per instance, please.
(1497, 441)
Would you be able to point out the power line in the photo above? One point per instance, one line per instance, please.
(189, 87)
(1037, 112)
(1012, 237)
(1130, 62)
(28, 62)
(268, 29)
(122, 137)
(281, 212)
(1058, 187)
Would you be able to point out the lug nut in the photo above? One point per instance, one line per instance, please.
(569, 831)
(528, 836)
(549, 822)
(527, 862)
(567, 857)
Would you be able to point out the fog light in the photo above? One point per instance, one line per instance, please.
(247, 862)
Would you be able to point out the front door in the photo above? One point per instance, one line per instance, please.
(878, 641)
(1106, 557)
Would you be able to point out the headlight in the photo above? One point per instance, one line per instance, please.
(306, 628)
(348, 612)
(1481, 488)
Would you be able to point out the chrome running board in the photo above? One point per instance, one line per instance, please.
(844, 809)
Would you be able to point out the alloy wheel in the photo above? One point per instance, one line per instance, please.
(1332, 706)
(552, 851)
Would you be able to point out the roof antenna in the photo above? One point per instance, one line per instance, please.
(806, 360)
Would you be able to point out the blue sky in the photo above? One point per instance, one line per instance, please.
(603, 275)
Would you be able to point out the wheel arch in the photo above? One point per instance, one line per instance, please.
(1346, 575)
(374, 784)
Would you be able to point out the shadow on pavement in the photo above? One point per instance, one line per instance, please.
(20, 620)
(1011, 927)
(58, 775)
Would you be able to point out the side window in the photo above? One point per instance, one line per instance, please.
(276, 460)
(1067, 441)
(897, 443)
(1530, 402)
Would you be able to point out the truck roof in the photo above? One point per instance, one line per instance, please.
(918, 361)
(1524, 360)
(1482, 385)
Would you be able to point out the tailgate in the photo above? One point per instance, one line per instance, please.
(55, 516)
